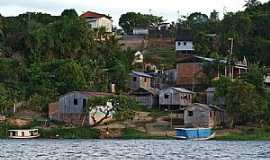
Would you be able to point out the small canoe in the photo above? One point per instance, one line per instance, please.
(199, 134)
(23, 133)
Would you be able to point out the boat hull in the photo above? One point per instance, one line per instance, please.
(26, 137)
(194, 133)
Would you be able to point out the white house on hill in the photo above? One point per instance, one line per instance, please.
(184, 41)
(97, 20)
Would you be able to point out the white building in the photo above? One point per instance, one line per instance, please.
(140, 31)
(138, 57)
(184, 41)
(97, 20)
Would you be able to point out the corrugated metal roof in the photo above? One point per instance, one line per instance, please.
(210, 59)
(95, 94)
(205, 106)
(182, 90)
(211, 89)
(142, 74)
(90, 94)
(153, 91)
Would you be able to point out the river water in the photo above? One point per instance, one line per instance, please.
(132, 149)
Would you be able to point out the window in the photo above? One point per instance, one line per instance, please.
(211, 114)
(134, 79)
(75, 101)
(179, 43)
(166, 96)
(190, 113)
(145, 79)
(84, 103)
(185, 43)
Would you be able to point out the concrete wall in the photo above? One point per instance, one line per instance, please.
(140, 31)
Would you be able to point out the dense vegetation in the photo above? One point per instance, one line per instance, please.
(131, 20)
(246, 99)
(70, 133)
(250, 30)
(43, 56)
(246, 134)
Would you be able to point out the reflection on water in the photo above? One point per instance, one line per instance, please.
(132, 149)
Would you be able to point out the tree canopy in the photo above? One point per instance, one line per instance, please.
(131, 20)
(44, 56)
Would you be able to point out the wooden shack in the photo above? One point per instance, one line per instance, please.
(202, 115)
(140, 80)
(70, 106)
(146, 96)
(176, 98)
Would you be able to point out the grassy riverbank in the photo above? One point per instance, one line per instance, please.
(130, 133)
(70, 133)
(246, 134)
(4, 131)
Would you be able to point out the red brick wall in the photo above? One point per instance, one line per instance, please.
(189, 73)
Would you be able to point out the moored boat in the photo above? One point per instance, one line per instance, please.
(194, 133)
(23, 133)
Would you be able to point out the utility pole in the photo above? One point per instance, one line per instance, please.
(231, 52)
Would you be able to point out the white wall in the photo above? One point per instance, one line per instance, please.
(101, 22)
(140, 31)
(105, 22)
(180, 46)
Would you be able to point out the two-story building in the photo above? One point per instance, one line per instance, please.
(97, 20)
(142, 90)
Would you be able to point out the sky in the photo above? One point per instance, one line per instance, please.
(169, 9)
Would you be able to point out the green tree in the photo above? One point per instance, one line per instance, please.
(252, 3)
(244, 104)
(214, 16)
(71, 77)
(69, 13)
(5, 101)
(131, 20)
(120, 107)
(254, 75)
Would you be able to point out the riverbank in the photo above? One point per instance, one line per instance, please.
(244, 134)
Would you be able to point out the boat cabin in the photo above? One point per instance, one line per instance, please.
(24, 133)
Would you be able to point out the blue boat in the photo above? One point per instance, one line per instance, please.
(194, 133)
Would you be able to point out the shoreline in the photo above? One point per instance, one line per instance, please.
(244, 134)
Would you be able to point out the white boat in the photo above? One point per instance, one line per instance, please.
(23, 133)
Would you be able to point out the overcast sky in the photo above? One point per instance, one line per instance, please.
(167, 8)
